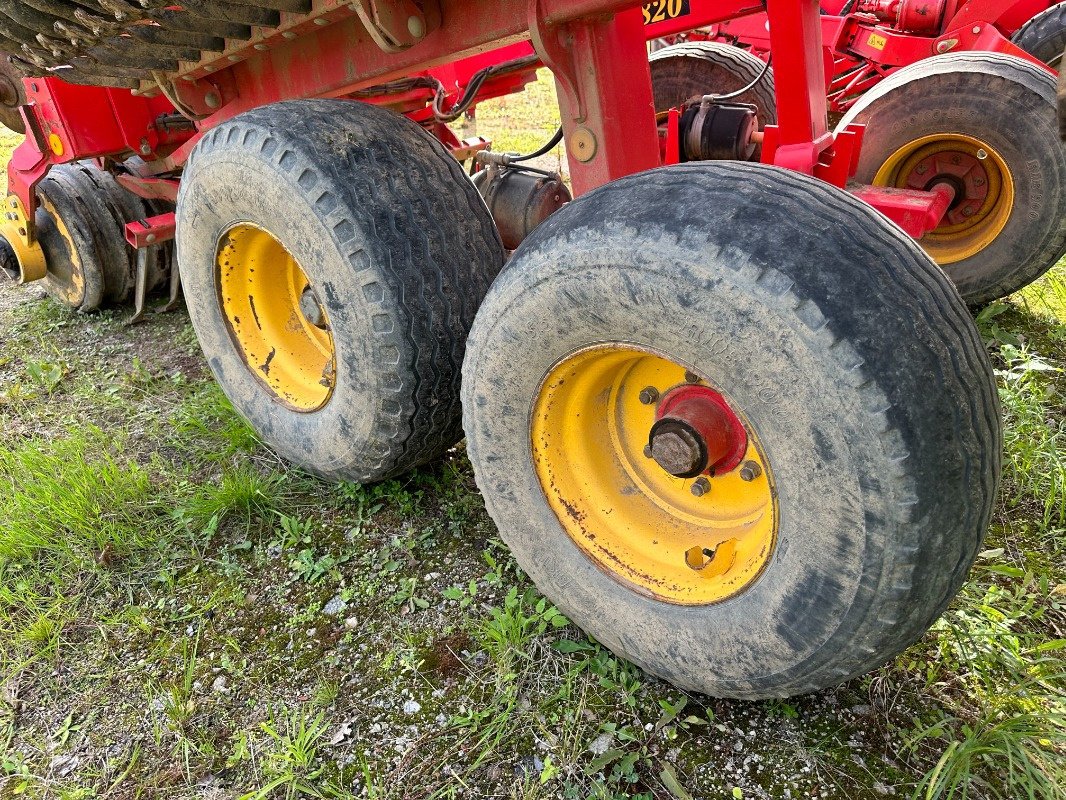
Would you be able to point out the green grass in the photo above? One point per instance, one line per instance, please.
(71, 499)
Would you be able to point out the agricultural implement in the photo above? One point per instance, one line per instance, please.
(727, 413)
(867, 40)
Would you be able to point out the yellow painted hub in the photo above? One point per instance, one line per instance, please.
(16, 228)
(638, 523)
(274, 317)
(953, 242)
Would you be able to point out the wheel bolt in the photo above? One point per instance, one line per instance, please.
(647, 451)
(750, 471)
(691, 377)
(701, 486)
(648, 395)
(967, 212)
(311, 309)
(981, 155)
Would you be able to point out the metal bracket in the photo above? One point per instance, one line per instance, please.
(554, 44)
(140, 286)
(174, 299)
(397, 25)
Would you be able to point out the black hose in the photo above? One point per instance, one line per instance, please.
(551, 145)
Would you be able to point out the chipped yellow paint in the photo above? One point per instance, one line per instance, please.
(635, 521)
(260, 285)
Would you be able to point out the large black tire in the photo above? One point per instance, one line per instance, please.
(849, 353)
(112, 207)
(687, 71)
(70, 238)
(399, 248)
(1008, 105)
(1044, 36)
(81, 226)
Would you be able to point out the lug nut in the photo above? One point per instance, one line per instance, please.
(649, 395)
(750, 471)
(311, 309)
(691, 377)
(981, 155)
(701, 486)
(648, 452)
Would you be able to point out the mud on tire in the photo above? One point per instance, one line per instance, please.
(844, 347)
(399, 249)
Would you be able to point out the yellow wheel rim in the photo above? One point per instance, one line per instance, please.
(984, 188)
(274, 318)
(65, 276)
(643, 526)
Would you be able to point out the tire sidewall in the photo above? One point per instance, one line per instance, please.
(203, 217)
(812, 433)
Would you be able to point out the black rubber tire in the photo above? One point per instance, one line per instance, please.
(11, 119)
(682, 72)
(850, 354)
(1008, 103)
(75, 274)
(9, 263)
(112, 207)
(1044, 36)
(386, 223)
(93, 265)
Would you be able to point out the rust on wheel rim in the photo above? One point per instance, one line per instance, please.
(654, 474)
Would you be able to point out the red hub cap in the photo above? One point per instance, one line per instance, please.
(695, 432)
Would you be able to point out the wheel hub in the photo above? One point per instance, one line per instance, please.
(696, 432)
(966, 174)
(983, 185)
(637, 458)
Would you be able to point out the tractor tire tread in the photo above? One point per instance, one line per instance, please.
(1044, 36)
(898, 600)
(739, 61)
(369, 170)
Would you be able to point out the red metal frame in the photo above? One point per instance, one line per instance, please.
(595, 48)
(866, 47)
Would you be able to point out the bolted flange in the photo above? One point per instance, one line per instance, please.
(696, 432)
